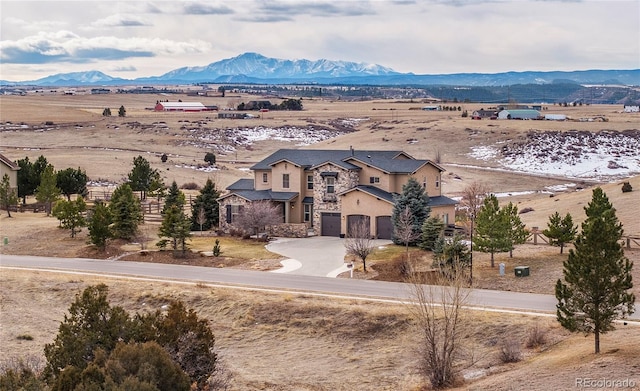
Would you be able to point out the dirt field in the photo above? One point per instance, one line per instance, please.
(292, 342)
(275, 342)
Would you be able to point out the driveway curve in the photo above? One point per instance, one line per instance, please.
(321, 256)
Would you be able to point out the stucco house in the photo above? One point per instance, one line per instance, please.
(329, 190)
(7, 166)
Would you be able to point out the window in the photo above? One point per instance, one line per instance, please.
(331, 184)
(232, 212)
(309, 182)
(308, 211)
(424, 182)
(374, 179)
(437, 183)
(285, 181)
(265, 177)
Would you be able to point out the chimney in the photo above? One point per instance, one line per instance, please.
(351, 148)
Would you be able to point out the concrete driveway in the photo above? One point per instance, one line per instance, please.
(321, 256)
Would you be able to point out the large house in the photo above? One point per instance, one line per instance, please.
(330, 190)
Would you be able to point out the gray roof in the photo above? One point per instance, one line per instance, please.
(441, 201)
(242, 184)
(384, 160)
(263, 195)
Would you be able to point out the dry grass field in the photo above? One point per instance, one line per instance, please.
(290, 342)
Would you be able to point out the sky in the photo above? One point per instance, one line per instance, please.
(149, 38)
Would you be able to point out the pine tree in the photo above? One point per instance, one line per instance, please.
(48, 192)
(560, 230)
(432, 230)
(492, 229)
(125, 211)
(415, 197)
(71, 214)
(208, 201)
(143, 178)
(517, 232)
(177, 227)
(597, 275)
(99, 224)
(174, 197)
(72, 181)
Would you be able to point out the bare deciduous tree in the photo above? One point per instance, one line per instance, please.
(257, 215)
(358, 242)
(201, 218)
(472, 200)
(438, 312)
(404, 230)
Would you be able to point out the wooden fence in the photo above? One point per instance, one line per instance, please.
(537, 237)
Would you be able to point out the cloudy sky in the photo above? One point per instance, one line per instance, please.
(149, 38)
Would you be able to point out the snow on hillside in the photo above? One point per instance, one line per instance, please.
(603, 156)
(229, 139)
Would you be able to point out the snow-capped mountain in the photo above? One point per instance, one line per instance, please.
(258, 69)
(77, 78)
(258, 66)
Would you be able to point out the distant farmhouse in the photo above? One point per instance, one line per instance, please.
(95, 91)
(631, 108)
(329, 191)
(482, 113)
(7, 166)
(183, 106)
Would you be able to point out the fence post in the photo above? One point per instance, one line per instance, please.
(534, 230)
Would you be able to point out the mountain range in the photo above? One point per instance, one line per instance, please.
(254, 68)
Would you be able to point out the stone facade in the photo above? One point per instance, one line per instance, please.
(326, 202)
(289, 230)
(233, 200)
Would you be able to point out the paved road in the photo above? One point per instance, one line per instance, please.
(321, 256)
(479, 298)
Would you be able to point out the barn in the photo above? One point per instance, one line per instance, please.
(519, 114)
(180, 106)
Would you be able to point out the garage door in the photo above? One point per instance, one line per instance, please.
(354, 220)
(384, 228)
(330, 224)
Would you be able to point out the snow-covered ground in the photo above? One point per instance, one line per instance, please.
(229, 139)
(603, 156)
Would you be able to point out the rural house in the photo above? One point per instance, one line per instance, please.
(7, 166)
(330, 190)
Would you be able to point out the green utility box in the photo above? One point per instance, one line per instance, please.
(522, 271)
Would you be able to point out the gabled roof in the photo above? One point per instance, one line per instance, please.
(387, 161)
(389, 197)
(242, 184)
(8, 162)
(373, 191)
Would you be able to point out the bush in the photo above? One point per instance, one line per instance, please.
(510, 351)
(536, 337)
(190, 186)
(626, 187)
(164, 158)
(216, 248)
(210, 158)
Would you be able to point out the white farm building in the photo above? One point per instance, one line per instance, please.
(180, 106)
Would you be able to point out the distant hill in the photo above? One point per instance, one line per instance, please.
(254, 68)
